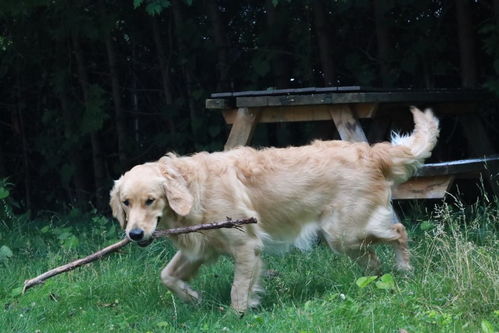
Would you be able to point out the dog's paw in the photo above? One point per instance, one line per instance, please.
(238, 312)
(405, 268)
(193, 296)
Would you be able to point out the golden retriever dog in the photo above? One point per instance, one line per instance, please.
(337, 188)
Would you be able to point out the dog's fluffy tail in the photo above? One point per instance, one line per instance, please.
(400, 159)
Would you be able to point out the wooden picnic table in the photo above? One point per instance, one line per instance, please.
(346, 105)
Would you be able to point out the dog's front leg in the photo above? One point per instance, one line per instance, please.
(176, 274)
(247, 270)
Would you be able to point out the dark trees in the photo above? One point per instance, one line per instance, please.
(91, 88)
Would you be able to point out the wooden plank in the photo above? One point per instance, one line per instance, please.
(300, 113)
(219, 103)
(423, 188)
(408, 97)
(291, 91)
(364, 110)
(318, 90)
(242, 129)
(346, 123)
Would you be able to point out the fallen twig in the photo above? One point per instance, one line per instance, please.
(114, 247)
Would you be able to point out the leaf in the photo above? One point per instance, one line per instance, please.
(45, 229)
(4, 193)
(71, 242)
(275, 3)
(426, 226)
(16, 292)
(137, 3)
(487, 327)
(163, 324)
(153, 8)
(385, 282)
(364, 281)
(5, 252)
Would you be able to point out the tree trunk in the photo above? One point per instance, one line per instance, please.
(466, 44)
(323, 38)
(164, 69)
(24, 141)
(73, 155)
(97, 162)
(221, 43)
(121, 130)
(3, 169)
(163, 63)
(279, 33)
(383, 41)
(186, 69)
(134, 98)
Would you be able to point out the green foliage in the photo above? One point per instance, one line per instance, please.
(385, 282)
(490, 39)
(152, 7)
(5, 253)
(364, 281)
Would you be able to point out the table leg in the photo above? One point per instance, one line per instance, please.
(347, 123)
(242, 129)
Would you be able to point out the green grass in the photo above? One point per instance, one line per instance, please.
(454, 287)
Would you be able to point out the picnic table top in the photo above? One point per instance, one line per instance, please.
(339, 95)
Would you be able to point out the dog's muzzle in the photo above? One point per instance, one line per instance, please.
(137, 235)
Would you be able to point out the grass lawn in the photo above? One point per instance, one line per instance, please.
(454, 287)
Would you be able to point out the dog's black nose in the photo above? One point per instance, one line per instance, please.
(136, 234)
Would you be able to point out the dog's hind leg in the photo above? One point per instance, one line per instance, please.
(401, 248)
(176, 274)
(381, 230)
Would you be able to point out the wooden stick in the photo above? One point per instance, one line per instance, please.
(114, 247)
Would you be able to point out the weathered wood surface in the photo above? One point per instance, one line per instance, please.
(347, 124)
(458, 167)
(308, 90)
(243, 127)
(360, 97)
(323, 90)
(220, 104)
(394, 96)
(423, 188)
(285, 114)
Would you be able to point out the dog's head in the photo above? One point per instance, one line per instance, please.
(146, 194)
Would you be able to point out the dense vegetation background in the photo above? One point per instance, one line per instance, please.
(89, 88)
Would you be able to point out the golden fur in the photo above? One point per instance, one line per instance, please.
(338, 188)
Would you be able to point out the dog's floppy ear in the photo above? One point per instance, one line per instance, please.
(115, 203)
(175, 186)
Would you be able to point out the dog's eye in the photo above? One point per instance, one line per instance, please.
(126, 202)
(149, 202)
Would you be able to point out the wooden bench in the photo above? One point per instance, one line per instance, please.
(434, 180)
(346, 105)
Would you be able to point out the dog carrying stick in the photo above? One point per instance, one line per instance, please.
(114, 247)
